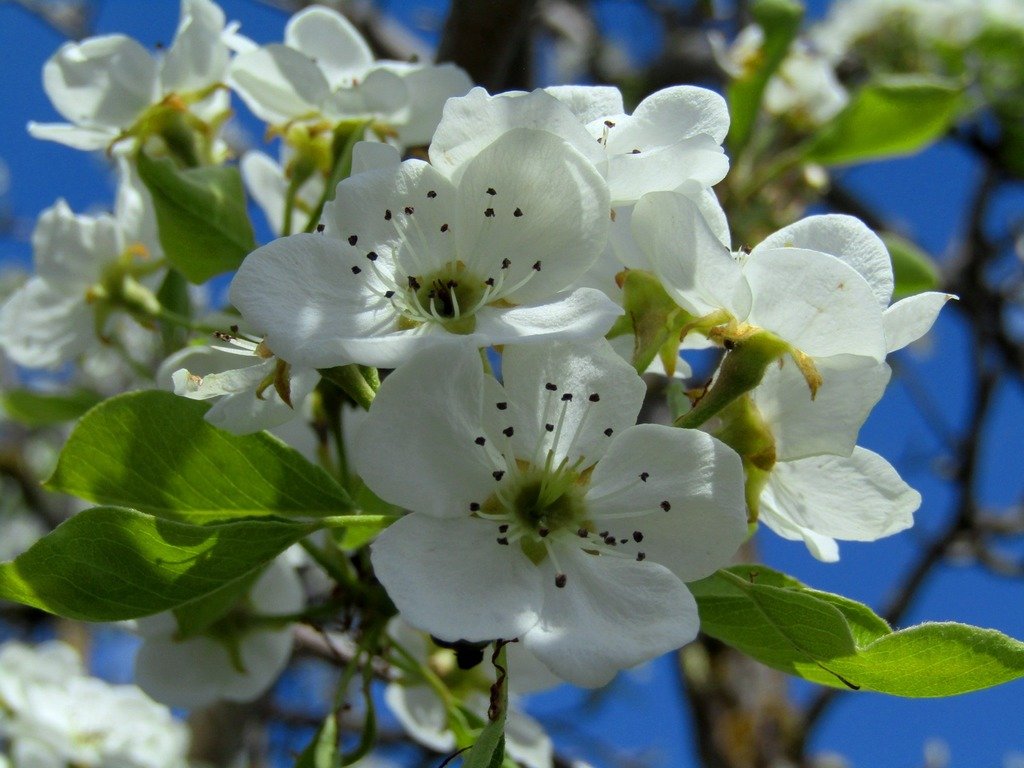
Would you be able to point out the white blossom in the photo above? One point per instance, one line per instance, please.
(325, 70)
(407, 259)
(105, 86)
(53, 714)
(540, 511)
(82, 263)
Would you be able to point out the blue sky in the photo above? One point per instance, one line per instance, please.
(924, 194)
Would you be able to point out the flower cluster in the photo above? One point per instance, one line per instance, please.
(53, 714)
(513, 279)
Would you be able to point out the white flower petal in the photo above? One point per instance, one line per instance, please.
(672, 114)
(846, 238)
(821, 547)
(612, 614)
(452, 579)
(526, 741)
(830, 422)
(71, 250)
(373, 155)
(329, 39)
(312, 291)
(470, 123)
(421, 714)
(264, 656)
(76, 137)
(397, 208)
(186, 674)
(561, 223)
(41, 326)
(589, 102)
(198, 57)
(580, 372)
(697, 270)
(815, 302)
(428, 87)
(632, 174)
(278, 83)
(911, 318)
(856, 498)
(584, 313)
(432, 443)
(649, 467)
(102, 81)
(378, 94)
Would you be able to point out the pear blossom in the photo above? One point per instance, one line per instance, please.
(237, 664)
(425, 719)
(822, 285)
(107, 87)
(822, 486)
(541, 511)
(85, 267)
(849, 240)
(408, 259)
(325, 71)
(253, 388)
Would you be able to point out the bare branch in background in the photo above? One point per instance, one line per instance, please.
(491, 41)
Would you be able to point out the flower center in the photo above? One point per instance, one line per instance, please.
(449, 296)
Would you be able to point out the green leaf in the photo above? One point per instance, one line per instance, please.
(780, 20)
(39, 409)
(109, 564)
(894, 115)
(913, 269)
(154, 452)
(201, 215)
(835, 641)
(195, 617)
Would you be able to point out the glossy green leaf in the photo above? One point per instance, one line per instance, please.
(153, 451)
(195, 617)
(40, 409)
(835, 641)
(895, 115)
(109, 564)
(913, 270)
(201, 215)
(780, 20)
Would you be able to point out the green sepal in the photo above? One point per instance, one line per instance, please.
(741, 370)
(201, 215)
(654, 319)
